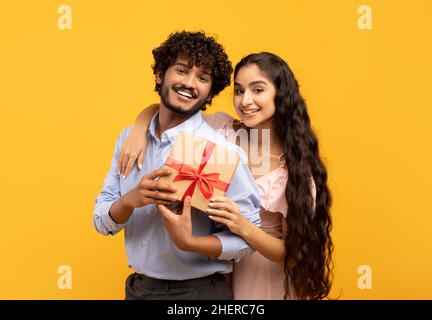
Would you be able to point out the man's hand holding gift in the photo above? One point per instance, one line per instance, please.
(179, 226)
(149, 191)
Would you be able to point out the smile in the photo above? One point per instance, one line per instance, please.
(249, 112)
(184, 93)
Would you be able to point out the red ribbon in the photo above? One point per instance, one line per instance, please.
(206, 182)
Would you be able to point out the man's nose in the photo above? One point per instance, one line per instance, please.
(189, 81)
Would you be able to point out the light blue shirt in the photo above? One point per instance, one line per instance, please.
(149, 248)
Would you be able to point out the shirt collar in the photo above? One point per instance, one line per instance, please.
(190, 125)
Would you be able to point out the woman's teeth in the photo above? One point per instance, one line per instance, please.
(249, 111)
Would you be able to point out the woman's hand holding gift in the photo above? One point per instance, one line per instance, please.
(226, 211)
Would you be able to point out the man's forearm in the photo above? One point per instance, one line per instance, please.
(209, 246)
(120, 212)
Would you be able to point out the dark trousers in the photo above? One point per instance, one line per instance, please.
(213, 287)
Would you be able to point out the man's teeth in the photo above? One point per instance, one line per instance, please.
(185, 93)
(249, 111)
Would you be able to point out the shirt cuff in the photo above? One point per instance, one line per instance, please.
(108, 223)
(233, 246)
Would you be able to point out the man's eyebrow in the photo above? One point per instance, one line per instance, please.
(204, 72)
(181, 64)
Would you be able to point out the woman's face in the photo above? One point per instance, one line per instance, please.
(254, 97)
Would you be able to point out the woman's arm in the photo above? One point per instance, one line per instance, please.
(225, 211)
(135, 144)
(270, 247)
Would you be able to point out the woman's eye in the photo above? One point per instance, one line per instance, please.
(203, 79)
(238, 91)
(258, 90)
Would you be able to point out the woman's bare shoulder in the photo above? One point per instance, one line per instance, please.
(218, 120)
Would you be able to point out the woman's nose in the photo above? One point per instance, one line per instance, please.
(247, 99)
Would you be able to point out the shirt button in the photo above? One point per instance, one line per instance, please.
(144, 243)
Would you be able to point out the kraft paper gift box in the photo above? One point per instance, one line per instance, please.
(201, 169)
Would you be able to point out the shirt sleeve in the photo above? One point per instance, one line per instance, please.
(244, 192)
(102, 221)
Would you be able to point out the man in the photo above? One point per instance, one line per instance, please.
(170, 261)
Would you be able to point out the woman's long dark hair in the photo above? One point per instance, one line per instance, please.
(308, 243)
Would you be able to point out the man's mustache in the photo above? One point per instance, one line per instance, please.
(183, 88)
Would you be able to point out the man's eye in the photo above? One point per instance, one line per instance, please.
(204, 79)
(180, 71)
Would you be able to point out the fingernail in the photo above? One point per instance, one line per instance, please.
(213, 199)
(140, 166)
(123, 177)
(211, 204)
(209, 210)
(211, 217)
(118, 172)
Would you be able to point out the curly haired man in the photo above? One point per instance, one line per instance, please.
(172, 262)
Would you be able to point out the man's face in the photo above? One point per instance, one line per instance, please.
(184, 89)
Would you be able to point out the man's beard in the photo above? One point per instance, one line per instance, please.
(165, 100)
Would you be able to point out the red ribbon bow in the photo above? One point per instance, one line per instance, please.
(206, 181)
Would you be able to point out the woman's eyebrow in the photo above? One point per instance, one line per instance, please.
(251, 83)
(257, 82)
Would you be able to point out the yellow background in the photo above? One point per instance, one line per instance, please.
(65, 96)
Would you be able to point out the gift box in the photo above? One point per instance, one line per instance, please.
(201, 169)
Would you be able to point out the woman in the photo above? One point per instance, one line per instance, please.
(293, 245)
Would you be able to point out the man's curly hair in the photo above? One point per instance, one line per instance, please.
(199, 50)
